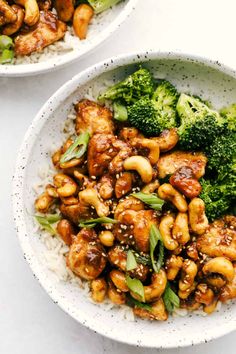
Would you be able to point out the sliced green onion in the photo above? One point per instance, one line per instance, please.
(5, 42)
(133, 302)
(142, 259)
(93, 222)
(131, 261)
(77, 149)
(6, 56)
(154, 238)
(136, 286)
(120, 111)
(47, 221)
(102, 5)
(171, 300)
(152, 200)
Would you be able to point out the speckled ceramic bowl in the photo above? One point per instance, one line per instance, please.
(111, 21)
(199, 76)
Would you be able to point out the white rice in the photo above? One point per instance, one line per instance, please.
(69, 43)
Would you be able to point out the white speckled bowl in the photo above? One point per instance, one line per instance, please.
(103, 29)
(199, 76)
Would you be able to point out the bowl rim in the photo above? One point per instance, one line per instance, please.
(21, 162)
(52, 64)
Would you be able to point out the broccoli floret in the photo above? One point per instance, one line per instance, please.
(229, 113)
(222, 155)
(152, 116)
(166, 98)
(218, 198)
(219, 191)
(102, 5)
(135, 86)
(199, 124)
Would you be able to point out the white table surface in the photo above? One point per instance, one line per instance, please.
(30, 323)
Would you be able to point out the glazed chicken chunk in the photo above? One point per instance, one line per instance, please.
(93, 118)
(106, 152)
(47, 31)
(220, 239)
(170, 162)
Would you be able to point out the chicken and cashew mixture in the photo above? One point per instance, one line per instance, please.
(146, 193)
(28, 26)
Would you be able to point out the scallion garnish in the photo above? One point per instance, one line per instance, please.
(131, 261)
(133, 302)
(150, 199)
(93, 222)
(136, 286)
(47, 221)
(77, 149)
(171, 300)
(155, 238)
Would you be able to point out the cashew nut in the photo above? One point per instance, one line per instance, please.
(211, 307)
(98, 289)
(188, 274)
(82, 16)
(89, 196)
(119, 280)
(66, 186)
(204, 295)
(157, 311)
(220, 265)
(157, 287)
(31, 11)
(115, 295)
(169, 193)
(165, 228)
(216, 281)
(12, 28)
(167, 140)
(180, 230)
(43, 202)
(65, 230)
(151, 187)
(197, 217)
(141, 165)
(151, 145)
(65, 9)
(107, 238)
(7, 14)
(172, 266)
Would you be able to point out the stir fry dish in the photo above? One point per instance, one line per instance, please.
(145, 192)
(28, 26)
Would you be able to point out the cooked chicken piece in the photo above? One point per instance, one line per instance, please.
(93, 118)
(7, 14)
(106, 186)
(47, 31)
(117, 256)
(134, 228)
(87, 257)
(77, 212)
(172, 161)
(219, 239)
(228, 291)
(106, 152)
(156, 312)
(185, 181)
